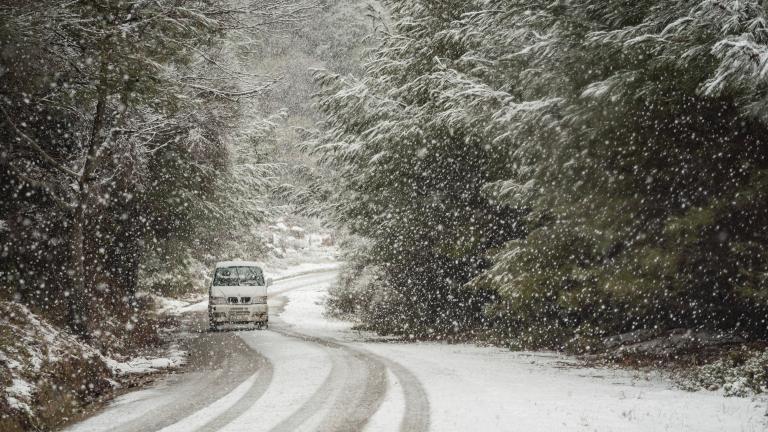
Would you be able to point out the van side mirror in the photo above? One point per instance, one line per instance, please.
(269, 281)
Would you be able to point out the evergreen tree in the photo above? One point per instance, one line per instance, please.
(118, 112)
(413, 175)
(649, 187)
(629, 136)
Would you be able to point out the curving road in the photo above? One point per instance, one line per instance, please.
(281, 379)
(311, 373)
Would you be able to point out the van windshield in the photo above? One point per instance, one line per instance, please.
(238, 276)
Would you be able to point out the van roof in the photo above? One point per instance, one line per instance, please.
(222, 264)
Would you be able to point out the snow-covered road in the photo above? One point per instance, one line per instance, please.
(314, 374)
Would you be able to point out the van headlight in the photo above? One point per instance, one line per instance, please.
(218, 300)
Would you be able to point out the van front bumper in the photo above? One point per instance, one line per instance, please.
(238, 313)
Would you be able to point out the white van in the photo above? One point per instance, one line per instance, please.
(238, 295)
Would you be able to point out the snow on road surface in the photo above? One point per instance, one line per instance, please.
(481, 388)
(319, 374)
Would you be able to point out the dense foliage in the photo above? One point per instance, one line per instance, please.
(118, 149)
(608, 157)
(413, 178)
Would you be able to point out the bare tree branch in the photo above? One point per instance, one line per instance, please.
(231, 95)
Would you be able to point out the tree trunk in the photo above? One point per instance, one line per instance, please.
(80, 297)
(132, 274)
(78, 301)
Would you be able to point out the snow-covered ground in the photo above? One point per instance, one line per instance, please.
(279, 273)
(483, 388)
(319, 374)
(172, 357)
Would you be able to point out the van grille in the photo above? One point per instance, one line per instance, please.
(232, 300)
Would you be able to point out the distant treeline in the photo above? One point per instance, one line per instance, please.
(554, 172)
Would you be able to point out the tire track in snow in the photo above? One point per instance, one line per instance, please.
(416, 410)
(416, 416)
(358, 399)
(233, 405)
(300, 370)
(348, 398)
(281, 380)
(229, 406)
(257, 386)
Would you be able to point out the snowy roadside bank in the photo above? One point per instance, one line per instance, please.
(48, 377)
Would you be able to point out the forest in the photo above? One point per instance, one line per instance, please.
(551, 174)
(132, 143)
(545, 174)
(583, 176)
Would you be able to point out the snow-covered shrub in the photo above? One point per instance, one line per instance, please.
(367, 294)
(173, 281)
(174, 273)
(741, 373)
(354, 295)
(128, 331)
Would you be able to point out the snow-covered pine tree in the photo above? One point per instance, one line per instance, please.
(629, 134)
(649, 188)
(413, 164)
